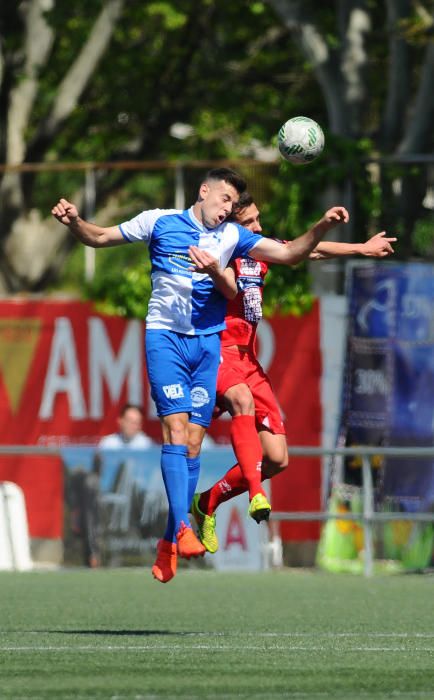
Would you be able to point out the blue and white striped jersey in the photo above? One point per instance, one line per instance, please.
(181, 300)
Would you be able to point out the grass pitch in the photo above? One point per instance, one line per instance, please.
(119, 634)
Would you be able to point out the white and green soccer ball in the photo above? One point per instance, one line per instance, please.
(300, 140)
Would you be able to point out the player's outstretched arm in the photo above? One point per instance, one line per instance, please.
(378, 246)
(86, 232)
(293, 252)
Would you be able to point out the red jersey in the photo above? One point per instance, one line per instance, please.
(245, 311)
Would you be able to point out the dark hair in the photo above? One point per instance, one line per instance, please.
(126, 407)
(244, 201)
(229, 176)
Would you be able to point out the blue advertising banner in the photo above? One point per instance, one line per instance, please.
(388, 395)
(116, 510)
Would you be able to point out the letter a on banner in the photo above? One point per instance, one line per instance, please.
(63, 373)
(235, 533)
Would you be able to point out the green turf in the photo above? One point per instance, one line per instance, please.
(118, 634)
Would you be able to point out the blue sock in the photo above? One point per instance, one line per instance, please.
(193, 464)
(175, 477)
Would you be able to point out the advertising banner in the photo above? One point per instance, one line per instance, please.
(66, 369)
(388, 394)
(389, 380)
(116, 510)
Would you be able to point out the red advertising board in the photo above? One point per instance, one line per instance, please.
(65, 369)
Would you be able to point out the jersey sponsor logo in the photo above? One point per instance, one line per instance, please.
(199, 397)
(252, 304)
(249, 266)
(180, 261)
(173, 391)
(245, 282)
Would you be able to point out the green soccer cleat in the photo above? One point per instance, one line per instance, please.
(205, 525)
(259, 508)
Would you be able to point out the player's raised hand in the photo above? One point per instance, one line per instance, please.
(336, 215)
(65, 212)
(379, 246)
(203, 261)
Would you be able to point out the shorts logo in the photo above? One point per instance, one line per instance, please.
(173, 391)
(199, 397)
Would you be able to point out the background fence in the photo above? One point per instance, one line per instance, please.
(367, 518)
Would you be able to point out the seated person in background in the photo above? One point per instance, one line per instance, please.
(130, 432)
(87, 502)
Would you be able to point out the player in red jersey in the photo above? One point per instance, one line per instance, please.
(243, 388)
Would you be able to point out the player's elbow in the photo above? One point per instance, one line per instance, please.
(293, 254)
(100, 240)
(92, 244)
(294, 258)
(230, 294)
(90, 239)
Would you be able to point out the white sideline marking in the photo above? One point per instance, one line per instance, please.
(398, 635)
(307, 635)
(209, 647)
(296, 694)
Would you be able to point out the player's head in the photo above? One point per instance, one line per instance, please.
(130, 420)
(219, 190)
(246, 213)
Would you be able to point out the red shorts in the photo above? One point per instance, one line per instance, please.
(241, 367)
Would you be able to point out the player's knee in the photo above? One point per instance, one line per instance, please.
(175, 431)
(285, 460)
(239, 401)
(193, 446)
(275, 463)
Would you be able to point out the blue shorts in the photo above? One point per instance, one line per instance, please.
(182, 371)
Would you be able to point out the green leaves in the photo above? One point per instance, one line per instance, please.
(123, 290)
(171, 18)
(234, 73)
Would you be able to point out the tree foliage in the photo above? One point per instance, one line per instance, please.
(106, 81)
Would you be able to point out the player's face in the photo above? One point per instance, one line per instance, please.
(249, 218)
(216, 200)
(130, 423)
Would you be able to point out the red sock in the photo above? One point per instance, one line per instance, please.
(232, 484)
(248, 451)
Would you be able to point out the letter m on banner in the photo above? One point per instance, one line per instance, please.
(115, 370)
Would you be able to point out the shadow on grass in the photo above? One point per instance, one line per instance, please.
(117, 633)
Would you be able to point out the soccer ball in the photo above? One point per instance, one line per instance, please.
(300, 140)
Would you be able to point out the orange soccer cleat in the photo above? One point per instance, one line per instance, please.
(164, 568)
(188, 544)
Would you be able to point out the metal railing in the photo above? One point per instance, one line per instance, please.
(367, 517)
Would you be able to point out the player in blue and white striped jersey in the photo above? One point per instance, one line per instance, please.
(184, 300)
(189, 251)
